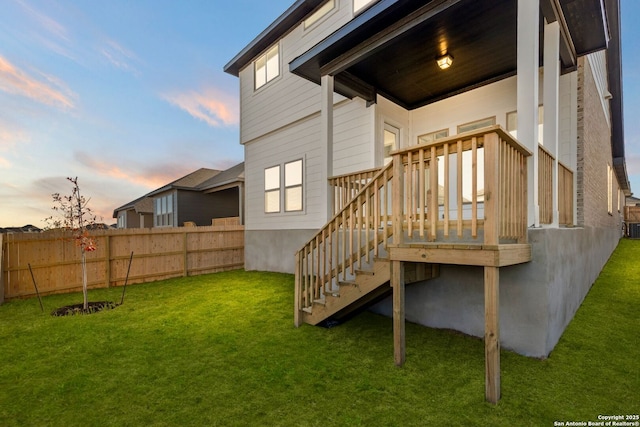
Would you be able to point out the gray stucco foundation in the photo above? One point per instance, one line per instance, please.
(274, 250)
(537, 299)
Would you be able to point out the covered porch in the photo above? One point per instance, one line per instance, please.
(467, 199)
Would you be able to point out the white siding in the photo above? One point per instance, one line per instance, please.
(496, 99)
(598, 62)
(353, 137)
(288, 98)
(298, 141)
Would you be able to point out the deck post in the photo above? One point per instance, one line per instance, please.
(397, 282)
(397, 269)
(492, 334)
(492, 188)
(326, 132)
(297, 318)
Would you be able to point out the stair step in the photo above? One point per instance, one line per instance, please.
(307, 310)
(347, 283)
(366, 272)
(320, 301)
(334, 293)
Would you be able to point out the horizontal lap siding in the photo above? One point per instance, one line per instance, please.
(288, 98)
(301, 140)
(353, 139)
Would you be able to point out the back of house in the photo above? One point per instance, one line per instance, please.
(449, 138)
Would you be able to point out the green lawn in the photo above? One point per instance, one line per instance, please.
(221, 349)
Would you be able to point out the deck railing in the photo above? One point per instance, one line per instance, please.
(351, 237)
(480, 195)
(345, 187)
(545, 185)
(565, 195)
(456, 185)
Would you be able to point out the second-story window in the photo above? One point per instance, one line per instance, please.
(360, 5)
(267, 67)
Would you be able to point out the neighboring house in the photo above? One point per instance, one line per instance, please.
(353, 110)
(135, 214)
(24, 229)
(196, 198)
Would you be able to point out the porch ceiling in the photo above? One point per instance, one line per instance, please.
(391, 48)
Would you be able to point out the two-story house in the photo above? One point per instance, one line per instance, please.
(473, 148)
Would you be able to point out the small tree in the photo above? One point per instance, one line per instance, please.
(75, 216)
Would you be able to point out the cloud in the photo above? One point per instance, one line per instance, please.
(148, 176)
(119, 56)
(48, 90)
(4, 163)
(210, 105)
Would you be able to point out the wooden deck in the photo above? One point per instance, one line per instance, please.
(472, 211)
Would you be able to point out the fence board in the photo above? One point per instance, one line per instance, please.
(158, 253)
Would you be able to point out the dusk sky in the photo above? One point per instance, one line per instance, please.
(129, 95)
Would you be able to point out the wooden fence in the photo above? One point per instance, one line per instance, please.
(158, 253)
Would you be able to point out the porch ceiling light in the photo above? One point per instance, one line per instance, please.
(444, 61)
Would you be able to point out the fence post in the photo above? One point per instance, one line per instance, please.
(1, 270)
(107, 259)
(186, 254)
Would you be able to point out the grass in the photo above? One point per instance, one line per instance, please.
(221, 350)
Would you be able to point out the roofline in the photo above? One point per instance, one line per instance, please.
(614, 73)
(274, 32)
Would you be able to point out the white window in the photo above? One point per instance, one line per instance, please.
(163, 211)
(122, 220)
(431, 137)
(293, 186)
(267, 67)
(359, 5)
(478, 124)
(272, 189)
(318, 14)
(512, 124)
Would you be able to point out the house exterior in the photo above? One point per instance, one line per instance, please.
(195, 199)
(474, 148)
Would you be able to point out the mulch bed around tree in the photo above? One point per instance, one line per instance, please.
(92, 307)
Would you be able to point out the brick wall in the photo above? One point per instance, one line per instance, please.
(594, 154)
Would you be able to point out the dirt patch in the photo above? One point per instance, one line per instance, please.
(92, 307)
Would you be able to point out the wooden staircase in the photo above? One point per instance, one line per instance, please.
(368, 284)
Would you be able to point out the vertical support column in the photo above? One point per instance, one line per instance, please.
(492, 189)
(397, 268)
(527, 92)
(551, 90)
(492, 333)
(326, 131)
(397, 282)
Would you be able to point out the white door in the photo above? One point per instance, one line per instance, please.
(391, 141)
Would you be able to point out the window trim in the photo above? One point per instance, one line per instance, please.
(609, 189)
(492, 119)
(435, 135)
(320, 14)
(265, 56)
(362, 8)
(294, 186)
(273, 189)
(164, 213)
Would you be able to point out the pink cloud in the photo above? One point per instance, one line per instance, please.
(209, 105)
(51, 91)
(150, 177)
(4, 163)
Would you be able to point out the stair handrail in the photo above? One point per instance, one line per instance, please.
(317, 274)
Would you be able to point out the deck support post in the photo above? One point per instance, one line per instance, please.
(326, 132)
(397, 282)
(492, 334)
